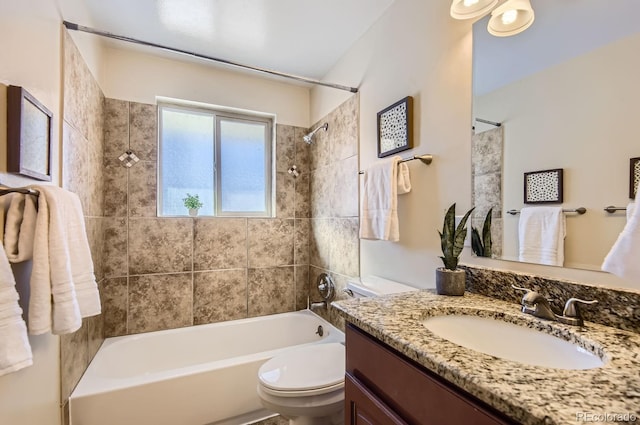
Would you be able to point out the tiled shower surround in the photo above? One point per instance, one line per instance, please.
(163, 273)
(160, 273)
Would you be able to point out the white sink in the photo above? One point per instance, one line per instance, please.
(511, 342)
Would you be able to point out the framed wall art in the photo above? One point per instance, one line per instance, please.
(29, 130)
(634, 177)
(395, 128)
(543, 187)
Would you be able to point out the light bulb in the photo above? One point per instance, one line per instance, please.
(468, 3)
(509, 16)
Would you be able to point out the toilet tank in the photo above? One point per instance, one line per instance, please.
(371, 286)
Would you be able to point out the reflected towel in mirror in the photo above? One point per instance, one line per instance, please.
(541, 232)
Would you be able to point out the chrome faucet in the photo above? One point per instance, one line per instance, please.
(535, 304)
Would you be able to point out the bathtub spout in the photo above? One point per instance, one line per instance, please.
(320, 304)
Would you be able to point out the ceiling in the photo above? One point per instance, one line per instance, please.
(300, 37)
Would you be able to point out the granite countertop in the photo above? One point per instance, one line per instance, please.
(528, 394)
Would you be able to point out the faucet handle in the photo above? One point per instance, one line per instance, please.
(571, 308)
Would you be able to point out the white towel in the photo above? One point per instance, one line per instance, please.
(20, 228)
(63, 285)
(630, 208)
(15, 351)
(624, 257)
(541, 232)
(379, 217)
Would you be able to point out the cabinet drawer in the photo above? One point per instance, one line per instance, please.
(418, 396)
(364, 408)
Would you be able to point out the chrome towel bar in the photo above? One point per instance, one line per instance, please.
(580, 210)
(426, 160)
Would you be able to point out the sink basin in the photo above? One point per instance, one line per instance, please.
(511, 342)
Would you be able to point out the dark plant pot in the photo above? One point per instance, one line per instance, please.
(450, 282)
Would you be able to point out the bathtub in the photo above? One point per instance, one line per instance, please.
(198, 375)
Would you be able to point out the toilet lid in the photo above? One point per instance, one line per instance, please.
(307, 368)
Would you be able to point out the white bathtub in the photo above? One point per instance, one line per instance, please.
(198, 375)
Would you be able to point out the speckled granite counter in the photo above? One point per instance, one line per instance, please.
(528, 394)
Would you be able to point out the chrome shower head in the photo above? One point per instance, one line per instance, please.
(308, 138)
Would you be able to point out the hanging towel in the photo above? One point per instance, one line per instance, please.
(541, 232)
(63, 285)
(624, 258)
(379, 218)
(404, 179)
(630, 208)
(19, 229)
(15, 351)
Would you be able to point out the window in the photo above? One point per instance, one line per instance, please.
(223, 158)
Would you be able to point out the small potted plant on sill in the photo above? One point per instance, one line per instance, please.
(449, 279)
(193, 203)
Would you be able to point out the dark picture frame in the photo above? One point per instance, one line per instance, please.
(543, 187)
(395, 127)
(29, 132)
(634, 177)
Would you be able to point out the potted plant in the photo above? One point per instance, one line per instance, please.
(481, 245)
(193, 203)
(449, 279)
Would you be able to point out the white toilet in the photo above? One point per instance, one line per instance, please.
(306, 385)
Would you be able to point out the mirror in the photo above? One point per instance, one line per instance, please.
(566, 91)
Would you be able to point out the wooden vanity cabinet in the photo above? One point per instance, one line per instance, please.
(383, 387)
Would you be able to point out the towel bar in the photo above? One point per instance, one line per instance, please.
(580, 210)
(426, 159)
(611, 209)
(23, 190)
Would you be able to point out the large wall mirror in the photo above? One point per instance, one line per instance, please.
(567, 92)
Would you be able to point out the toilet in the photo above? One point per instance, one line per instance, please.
(306, 384)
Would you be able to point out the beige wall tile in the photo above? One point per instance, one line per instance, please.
(116, 130)
(160, 245)
(220, 243)
(158, 302)
(270, 242)
(343, 122)
(302, 286)
(95, 237)
(219, 295)
(143, 130)
(344, 246)
(321, 189)
(114, 296)
(320, 241)
(303, 195)
(142, 189)
(301, 240)
(285, 195)
(115, 189)
(285, 147)
(74, 358)
(115, 247)
(271, 291)
(344, 193)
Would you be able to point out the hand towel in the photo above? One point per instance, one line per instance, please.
(62, 266)
(404, 179)
(630, 207)
(541, 232)
(15, 351)
(20, 228)
(379, 217)
(624, 257)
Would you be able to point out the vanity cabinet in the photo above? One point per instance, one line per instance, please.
(383, 387)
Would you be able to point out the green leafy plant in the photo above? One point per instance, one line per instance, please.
(481, 246)
(452, 237)
(192, 202)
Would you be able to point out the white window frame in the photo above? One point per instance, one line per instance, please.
(223, 114)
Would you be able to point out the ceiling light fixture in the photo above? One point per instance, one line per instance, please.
(468, 9)
(511, 18)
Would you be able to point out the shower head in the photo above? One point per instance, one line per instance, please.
(309, 137)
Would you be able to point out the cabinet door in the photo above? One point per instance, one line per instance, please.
(364, 408)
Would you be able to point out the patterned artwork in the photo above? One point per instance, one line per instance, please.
(395, 128)
(634, 179)
(543, 187)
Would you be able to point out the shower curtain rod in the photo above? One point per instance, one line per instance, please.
(76, 27)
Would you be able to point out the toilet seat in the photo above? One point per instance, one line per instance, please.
(307, 371)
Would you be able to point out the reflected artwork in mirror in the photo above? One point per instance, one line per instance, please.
(566, 93)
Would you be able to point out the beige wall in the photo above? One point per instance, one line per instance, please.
(413, 50)
(139, 77)
(30, 57)
(589, 130)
